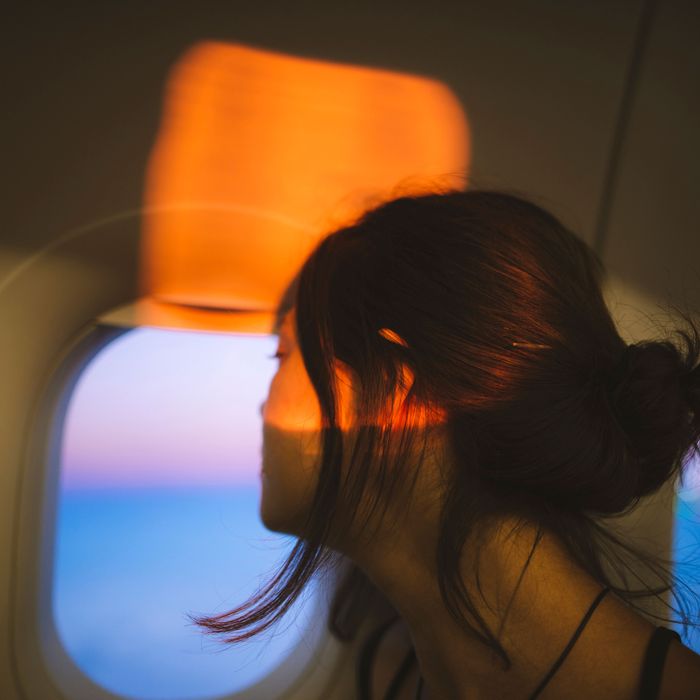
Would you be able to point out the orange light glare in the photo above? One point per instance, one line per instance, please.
(261, 154)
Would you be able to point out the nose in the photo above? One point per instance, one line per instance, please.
(262, 409)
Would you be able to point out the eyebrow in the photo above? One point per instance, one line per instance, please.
(277, 325)
(280, 317)
(281, 322)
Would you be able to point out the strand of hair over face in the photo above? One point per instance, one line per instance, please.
(552, 418)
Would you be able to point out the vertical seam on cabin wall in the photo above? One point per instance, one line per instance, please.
(627, 99)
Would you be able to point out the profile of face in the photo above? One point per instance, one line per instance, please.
(291, 450)
(292, 435)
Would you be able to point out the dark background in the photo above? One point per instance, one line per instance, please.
(591, 107)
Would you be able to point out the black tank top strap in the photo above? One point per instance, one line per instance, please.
(365, 662)
(408, 661)
(563, 655)
(654, 662)
(570, 645)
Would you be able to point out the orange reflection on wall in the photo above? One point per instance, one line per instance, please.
(259, 155)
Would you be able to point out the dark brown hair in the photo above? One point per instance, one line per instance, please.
(572, 427)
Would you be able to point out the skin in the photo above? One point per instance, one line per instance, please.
(553, 597)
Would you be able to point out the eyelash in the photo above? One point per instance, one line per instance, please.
(277, 354)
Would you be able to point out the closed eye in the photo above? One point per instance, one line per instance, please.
(277, 354)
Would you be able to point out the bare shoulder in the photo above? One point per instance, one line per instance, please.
(681, 674)
(680, 677)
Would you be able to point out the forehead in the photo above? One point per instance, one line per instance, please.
(286, 327)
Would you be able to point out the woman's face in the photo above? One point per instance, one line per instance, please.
(291, 436)
(291, 449)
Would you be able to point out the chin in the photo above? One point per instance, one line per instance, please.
(273, 525)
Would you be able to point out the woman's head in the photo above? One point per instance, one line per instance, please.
(292, 429)
(484, 315)
(291, 433)
(506, 337)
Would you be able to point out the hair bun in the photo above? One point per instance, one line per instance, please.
(645, 388)
(691, 386)
(649, 360)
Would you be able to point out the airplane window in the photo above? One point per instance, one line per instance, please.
(158, 515)
(686, 539)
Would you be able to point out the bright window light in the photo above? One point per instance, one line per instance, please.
(686, 539)
(158, 515)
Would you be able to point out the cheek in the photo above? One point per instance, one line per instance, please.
(292, 404)
(292, 446)
(289, 481)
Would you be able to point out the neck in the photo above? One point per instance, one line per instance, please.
(456, 664)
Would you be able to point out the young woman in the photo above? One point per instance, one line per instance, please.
(453, 414)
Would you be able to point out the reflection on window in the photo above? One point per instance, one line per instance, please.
(158, 515)
(686, 542)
